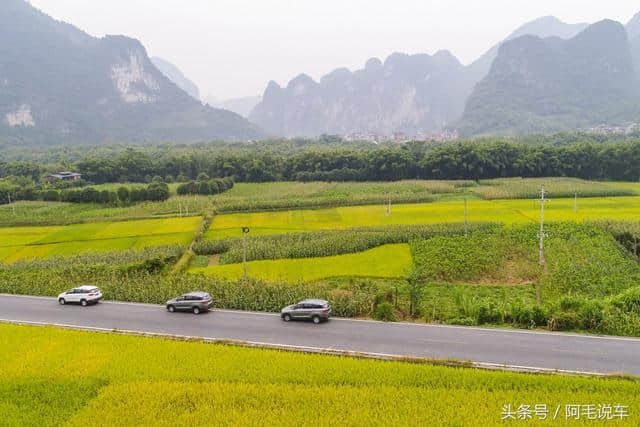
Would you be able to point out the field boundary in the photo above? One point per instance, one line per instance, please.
(326, 351)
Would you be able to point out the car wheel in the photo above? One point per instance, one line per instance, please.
(316, 319)
(286, 317)
(83, 302)
(171, 308)
(196, 310)
(62, 301)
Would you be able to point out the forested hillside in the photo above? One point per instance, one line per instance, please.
(60, 85)
(550, 85)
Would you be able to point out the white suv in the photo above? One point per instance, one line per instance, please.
(84, 295)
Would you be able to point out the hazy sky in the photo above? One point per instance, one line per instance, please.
(232, 48)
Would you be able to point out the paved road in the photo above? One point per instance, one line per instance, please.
(505, 347)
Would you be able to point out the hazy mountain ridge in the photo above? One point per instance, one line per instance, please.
(543, 27)
(91, 90)
(633, 30)
(406, 93)
(243, 105)
(174, 74)
(551, 85)
(429, 93)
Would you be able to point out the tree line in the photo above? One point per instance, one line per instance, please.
(463, 160)
(205, 186)
(11, 191)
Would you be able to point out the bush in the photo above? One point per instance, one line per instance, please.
(540, 315)
(50, 196)
(462, 321)
(565, 321)
(205, 187)
(592, 315)
(384, 312)
(571, 303)
(158, 191)
(628, 300)
(489, 313)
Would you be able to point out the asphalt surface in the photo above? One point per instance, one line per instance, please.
(514, 348)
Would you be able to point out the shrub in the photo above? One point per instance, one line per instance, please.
(384, 312)
(462, 321)
(488, 312)
(592, 315)
(565, 321)
(628, 300)
(540, 315)
(571, 303)
(158, 191)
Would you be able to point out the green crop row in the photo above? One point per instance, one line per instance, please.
(529, 188)
(580, 259)
(326, 243)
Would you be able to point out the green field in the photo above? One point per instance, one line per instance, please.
(52, 377)
(505, 211)
(391, 261)
(19, 243)
(294, 195)
(529, 188)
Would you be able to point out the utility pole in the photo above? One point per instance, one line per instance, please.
(245, 231)
(13, 207)
(466, 224)
(389, 204)
(541, 233)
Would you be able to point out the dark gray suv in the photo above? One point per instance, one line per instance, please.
(315, 310)
(195, 302)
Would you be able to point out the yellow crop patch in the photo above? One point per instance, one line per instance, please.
(385, 261)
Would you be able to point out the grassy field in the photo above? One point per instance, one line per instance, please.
(52, 377)
(292, 195)
(529, 188)
(19, 243)
(385, 261)
(505, 211)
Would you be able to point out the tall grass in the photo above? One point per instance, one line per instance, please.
(529, 188)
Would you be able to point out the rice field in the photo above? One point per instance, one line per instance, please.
(21, 243)
(388, 261)
(449, 211)
(296, 195)
(51, 377)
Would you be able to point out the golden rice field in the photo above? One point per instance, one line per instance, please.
(388, 261)
(51, 377)
(19, 243)
(505, 211)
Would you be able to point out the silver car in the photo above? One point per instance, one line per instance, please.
(195, 302)
(315, 310)
(83, 295)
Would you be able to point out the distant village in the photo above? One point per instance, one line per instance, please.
(624, 129)
(401, 137)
